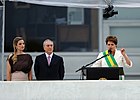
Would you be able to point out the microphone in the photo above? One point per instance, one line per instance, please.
(109, 51)
(84, 67)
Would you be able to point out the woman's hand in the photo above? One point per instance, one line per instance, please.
(123, 51)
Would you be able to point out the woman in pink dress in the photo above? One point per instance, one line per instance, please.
(19, 64)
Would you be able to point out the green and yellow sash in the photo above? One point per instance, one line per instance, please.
(110, 60)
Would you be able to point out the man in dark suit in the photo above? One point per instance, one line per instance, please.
(49, 66)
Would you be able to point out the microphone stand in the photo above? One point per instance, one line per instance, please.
(84, 67)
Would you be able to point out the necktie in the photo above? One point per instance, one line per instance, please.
(49, 60)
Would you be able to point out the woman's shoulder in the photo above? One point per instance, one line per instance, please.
(26, 55)
(117, 52)
(10, 56)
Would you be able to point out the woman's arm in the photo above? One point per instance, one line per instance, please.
(30, 75)
(8, 71)
(128, 61)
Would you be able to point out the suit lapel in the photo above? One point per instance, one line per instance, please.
(45, 59)
(53, 60)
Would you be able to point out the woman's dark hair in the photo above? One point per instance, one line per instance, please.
(112, 39)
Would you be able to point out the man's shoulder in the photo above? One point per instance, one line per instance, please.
(41, 55)
(57, 56)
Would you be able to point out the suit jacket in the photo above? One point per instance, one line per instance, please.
(54, 71)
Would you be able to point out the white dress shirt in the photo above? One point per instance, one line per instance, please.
(49, 55)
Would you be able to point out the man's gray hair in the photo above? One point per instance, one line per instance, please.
(47, 41)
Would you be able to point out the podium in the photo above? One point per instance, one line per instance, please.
(104, 73)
